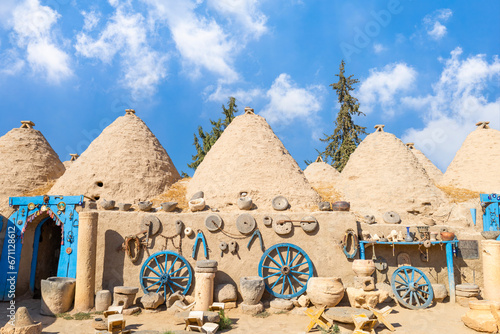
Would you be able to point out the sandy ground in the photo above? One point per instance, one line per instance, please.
(441, 318)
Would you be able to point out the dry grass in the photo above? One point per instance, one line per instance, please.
(176, 193)
(328, 194)
(42, 190)
(458, 195)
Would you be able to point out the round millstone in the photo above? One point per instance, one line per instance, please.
(280, 203)
(213, 222)
(245, 223)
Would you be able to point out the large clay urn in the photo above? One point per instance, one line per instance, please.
(252, 289)
(58, 294)
(325, 291)
(363, 268)
(479, 317)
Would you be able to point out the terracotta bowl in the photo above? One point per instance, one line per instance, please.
(447, 236)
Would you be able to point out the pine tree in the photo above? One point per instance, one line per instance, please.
(346, 136)
(206, 140)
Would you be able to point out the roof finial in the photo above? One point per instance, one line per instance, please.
(129, 111)
(319, 159)
(483, 125)
(411, 146)
(27, 125)
(379, 128)
(74, 156)
(248, 110)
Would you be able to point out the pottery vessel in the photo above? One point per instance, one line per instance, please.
(58, 294)
(245, 203)
(169, 206)
(479, 317)
(447, 236)
(145, 206)
(363, 267)
(252, 289)
(325, 291)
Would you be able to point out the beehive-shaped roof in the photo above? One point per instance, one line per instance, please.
(249, 157)
(476, 164)
(321, 174)
(434, 173)
(27, 162)
(383, 175)
(125, 163)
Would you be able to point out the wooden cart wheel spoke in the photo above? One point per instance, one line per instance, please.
(281, 275)
(158, 282)
(166, 262)
(283, 286)
(271, 268)
(411, 294)
(272, 275)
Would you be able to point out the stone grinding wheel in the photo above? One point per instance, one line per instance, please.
(213, 222)
(280, 203)
(245, 223)
(309, 227)
(282, 228)
(153, 222)
(223, 245)
(391, 217)
(268, 220)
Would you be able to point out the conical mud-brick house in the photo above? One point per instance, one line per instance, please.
(249, 158)
(125, 163)
(321, 174)
(384, 175)
(476, 164)
(434, 173)
(27, 162)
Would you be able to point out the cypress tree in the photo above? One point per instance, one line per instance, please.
(347, 135)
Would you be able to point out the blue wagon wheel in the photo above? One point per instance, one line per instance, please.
(286, 269)
(166, 271)
(412, 288)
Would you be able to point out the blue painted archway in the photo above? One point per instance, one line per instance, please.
(61, 209)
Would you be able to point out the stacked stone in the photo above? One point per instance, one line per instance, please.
(252, 289)
(364, 293)
(125, 296)
(466, 293)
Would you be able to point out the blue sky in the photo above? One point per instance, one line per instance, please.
(428, 70)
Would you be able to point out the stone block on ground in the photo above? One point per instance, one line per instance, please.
(281, 304)
(102, 300)
(131, 310)
(252, 309)
(152, 300)
(225, 293)
(366, 283)
(304, 301)
(464, 301)
(208, 316)
(230, 305)
(440, 292)
(344, 314)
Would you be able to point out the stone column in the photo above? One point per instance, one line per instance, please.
(491, 269)
(204, 284)
(86, 261)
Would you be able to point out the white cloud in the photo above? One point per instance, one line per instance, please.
(433, 23)
(90, 19)
(385, 86)
(201, 42)
(32, 26)
(125, 34)
(11, 62)
(245, 14)
(464, 95)
(288, 102)
(378, 48)
(221, 93)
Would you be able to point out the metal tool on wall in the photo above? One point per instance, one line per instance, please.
(200, 237)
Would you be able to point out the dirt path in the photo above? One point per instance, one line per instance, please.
(442, 318)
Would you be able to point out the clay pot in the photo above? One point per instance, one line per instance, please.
(479, 317)
(58, 294)
(363, 268)
(145, 206)
(325, 291)
(169, 206)
(197, 204)
(252, 289)
(341, 206)
(447, 236)
(245, 203)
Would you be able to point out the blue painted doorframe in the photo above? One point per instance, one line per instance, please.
(62, 209)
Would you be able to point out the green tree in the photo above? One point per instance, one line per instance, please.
(206, 140)
(347, 135)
